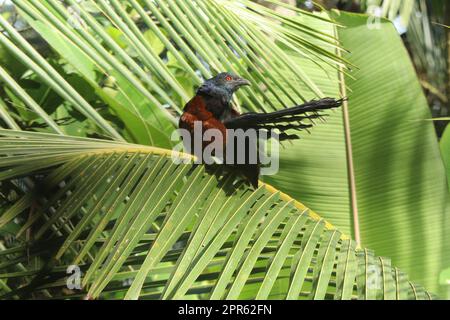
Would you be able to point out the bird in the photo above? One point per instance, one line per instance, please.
(212, 108)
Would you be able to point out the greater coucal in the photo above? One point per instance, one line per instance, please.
(211, 106)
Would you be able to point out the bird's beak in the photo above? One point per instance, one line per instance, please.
(242, 82)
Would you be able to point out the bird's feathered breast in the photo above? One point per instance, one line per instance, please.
(196, 110)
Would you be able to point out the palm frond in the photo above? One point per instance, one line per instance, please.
(128, 214)
(389, 132)
(153, 53)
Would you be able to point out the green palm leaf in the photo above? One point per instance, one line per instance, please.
(400, 184)
(445, 151)
(122, 211)
(151, 54)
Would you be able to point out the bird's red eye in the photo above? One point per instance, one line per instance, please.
(228, 78)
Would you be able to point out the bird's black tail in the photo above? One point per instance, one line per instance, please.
(285, 119)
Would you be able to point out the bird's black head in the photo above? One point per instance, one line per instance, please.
(222, 86)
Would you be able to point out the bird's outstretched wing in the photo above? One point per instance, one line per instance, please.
(285, 119)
